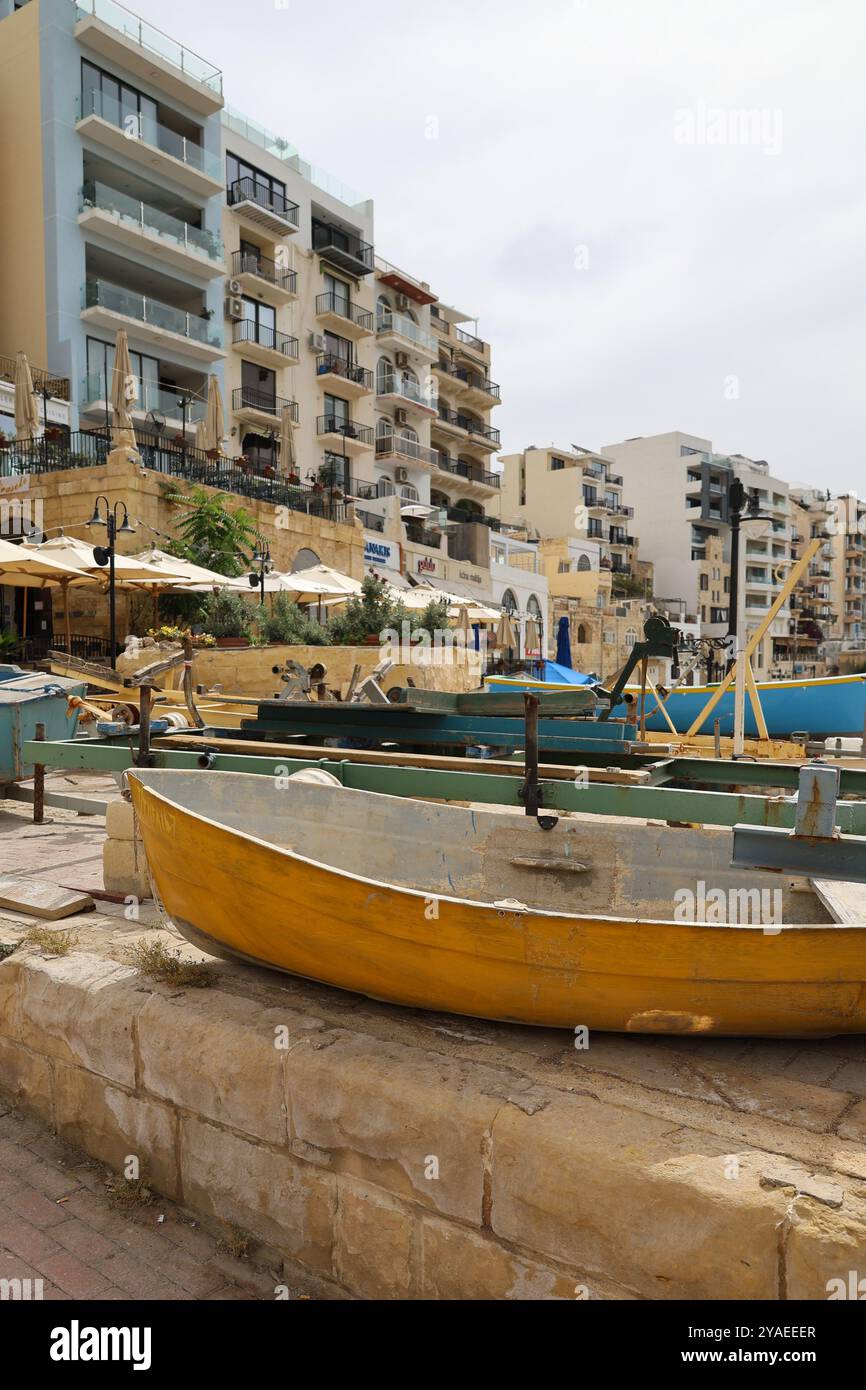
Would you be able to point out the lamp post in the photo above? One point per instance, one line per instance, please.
(736, 614)
(183, 405)
(104, 555)
(261, 558)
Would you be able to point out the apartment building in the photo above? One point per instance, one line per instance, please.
(679, 487)
(112, 170)
(572, 493)
(298, 310)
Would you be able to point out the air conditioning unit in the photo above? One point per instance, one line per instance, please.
(402, 359)
(318, 342)
(234, 308)
(401, 417)
(403, 302)
(235, 287)
(402, 475)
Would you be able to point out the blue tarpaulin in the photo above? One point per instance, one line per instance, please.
(563, 675)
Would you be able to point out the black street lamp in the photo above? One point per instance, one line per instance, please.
(261, 558)
(183, 405)
(104, 555)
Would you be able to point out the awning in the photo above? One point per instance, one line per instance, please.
(457, 588)
(393, 578)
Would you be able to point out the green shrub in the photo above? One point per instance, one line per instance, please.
(289, 625)
(366, 616)
(227, 614)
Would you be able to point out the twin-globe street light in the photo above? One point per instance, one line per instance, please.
(104, 555)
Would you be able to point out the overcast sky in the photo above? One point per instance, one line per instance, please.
(582, 176)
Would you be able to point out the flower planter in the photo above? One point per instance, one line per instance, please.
(232, 642)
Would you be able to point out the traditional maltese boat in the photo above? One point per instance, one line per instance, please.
(597, 922)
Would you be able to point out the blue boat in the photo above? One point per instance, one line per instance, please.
(28, 698)
(823, 707)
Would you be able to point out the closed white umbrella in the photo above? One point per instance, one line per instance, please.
(26, 412)
(199, 441)
(506, 637)
(214, 417)
(532, 640)
(124, 393)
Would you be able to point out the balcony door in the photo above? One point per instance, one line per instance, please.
(263, 317)
(259, 386)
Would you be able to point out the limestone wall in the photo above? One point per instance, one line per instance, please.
(390, 1160)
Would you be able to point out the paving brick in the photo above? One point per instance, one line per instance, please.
(74, 1278)
(851, 1078)
(50, 1180)
(33, 1207)
(26, 1240)
(815, 1068)
(9, 1183)
(83, 1241)
(134, 1276)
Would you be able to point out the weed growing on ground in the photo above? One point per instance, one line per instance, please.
(56, 943)
(123, 1194)
(153, 958)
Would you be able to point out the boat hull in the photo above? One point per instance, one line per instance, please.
(240, 896)
(822, 708)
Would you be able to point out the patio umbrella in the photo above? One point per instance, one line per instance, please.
(214, 417)
(26, 412)
(185, 575)
(198, 442)
(124, 393)
(464, 625)
(320, 581)
(287, 442)
(563, 644)
(25, 568)
(506, 637)
(532, 640)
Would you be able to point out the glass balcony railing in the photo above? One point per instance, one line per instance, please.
(407, 328)
(151, 397)
(395, 445)
(152, 40)
(390, 384)
(142, 215)
(148, 131)
(102, 294)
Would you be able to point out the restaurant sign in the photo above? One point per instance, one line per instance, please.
(383, 554)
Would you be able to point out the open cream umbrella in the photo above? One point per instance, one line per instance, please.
(124, 393)
(214, 417)
(26, 412)
(22, 566)
(185, 575)
(287, 442)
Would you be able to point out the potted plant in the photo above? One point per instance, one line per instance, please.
(294, 479)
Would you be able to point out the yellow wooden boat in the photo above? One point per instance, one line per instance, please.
(483, 913)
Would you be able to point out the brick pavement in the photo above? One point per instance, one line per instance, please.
(58, 1223)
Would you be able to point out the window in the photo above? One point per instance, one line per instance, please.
(341, 299)
(584, 563)
(261, 188)
(564, 567)
(705, 581)
(264, 319)
(609, 638)
(100, 370)
(509, 603)
(581, 633)
(556, 465)
(117, 102)
(337, 411)
(630, 637)
(259, 386)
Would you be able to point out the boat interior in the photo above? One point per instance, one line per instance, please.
(604, 866)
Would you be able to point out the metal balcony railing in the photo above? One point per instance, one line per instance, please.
(56, 386)
(344, 248)
(464, 470)
(342, 306)
(247, 331)
(331, 424)
(250, 190)
(252, 263)
(331, 364)
(245, 398)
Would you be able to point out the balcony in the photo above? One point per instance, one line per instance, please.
(351, 380)
(138, 227)
(453, 422)
(57, 387)
(155, 147)
(465, 341)
(149, 320)
(402, 334)
(464, 473)
(394, 389)
(343, 249)
(95, 403)
(264, 278)
(393, 448)
(257, 204)
(258, 343)
(139, 48)
(344, 436)
(339, 315)
(472, 387)
(261, 408)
